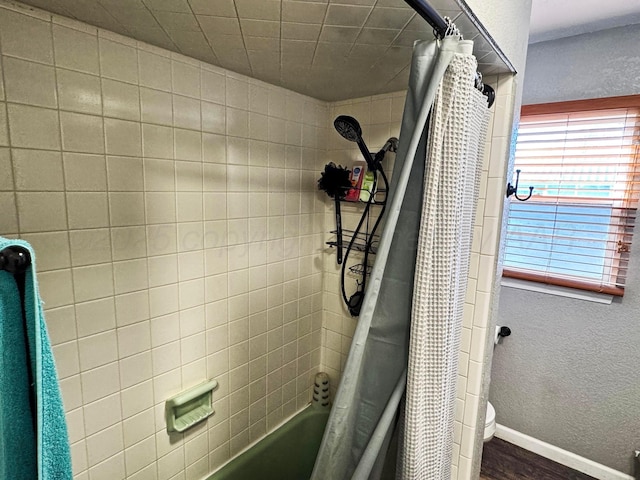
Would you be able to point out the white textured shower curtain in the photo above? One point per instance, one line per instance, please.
(364, 413)
(459, 120)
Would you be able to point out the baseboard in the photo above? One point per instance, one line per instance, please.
(571, 460)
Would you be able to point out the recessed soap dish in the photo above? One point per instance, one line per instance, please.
(190, 407)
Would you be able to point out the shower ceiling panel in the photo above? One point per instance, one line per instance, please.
(331, 49)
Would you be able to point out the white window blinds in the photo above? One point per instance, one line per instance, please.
(576, 229)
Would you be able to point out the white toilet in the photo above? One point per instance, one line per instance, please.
(490, 423)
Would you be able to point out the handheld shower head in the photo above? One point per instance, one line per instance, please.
(350, 129)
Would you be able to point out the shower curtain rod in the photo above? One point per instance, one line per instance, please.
(440, 27)
(430, 14)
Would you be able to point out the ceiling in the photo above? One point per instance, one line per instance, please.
(328, 49)
(553, 19)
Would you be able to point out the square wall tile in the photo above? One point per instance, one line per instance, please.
(157, 141)
(213, 118)
(102, 414)
(30, 83)
(156, 106)
(122, 137)
(82, 133)
(130, 275)
(155, 71)
(120, 100)
(186, 79)
(161, 239)
(214, 148)
(76, 50)
(213, 87)
(41, 212)
(126, 208)
(33, 127)
(134, 339)
(26, 37)
(118, 61)
(135, 369)
(186, 112)
(84, 172)
(128, 242)
(188, 145)
(237, 93)
(159, 175)
(95, 316)
(98, 350)
(87, 210)
(79, 92)
(125, 174)
(100, 382)
(92, 282)
(47, 164)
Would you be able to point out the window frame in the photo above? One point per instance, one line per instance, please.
(573, 106)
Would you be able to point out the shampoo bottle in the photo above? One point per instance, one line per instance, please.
(367, 186)
(357, 174)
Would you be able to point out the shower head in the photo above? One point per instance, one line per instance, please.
(350, 129)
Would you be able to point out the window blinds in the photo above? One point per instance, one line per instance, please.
(576, 229)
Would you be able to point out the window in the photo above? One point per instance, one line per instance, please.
(582, 160)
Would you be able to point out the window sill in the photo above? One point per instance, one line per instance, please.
(556, 290)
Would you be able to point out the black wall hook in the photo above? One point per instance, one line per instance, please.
(512, 190)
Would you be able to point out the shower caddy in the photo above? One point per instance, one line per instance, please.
(365, 241)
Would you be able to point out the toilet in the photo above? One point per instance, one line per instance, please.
(490, 423)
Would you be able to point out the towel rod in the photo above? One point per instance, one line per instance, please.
(15, 259)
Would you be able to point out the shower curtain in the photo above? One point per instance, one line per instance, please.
(364, 416)
(459, 118)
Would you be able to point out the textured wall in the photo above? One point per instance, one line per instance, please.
(507, 21)
(568, 374)
(593, 65)
(172, 206)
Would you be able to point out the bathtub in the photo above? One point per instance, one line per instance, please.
(285, 454)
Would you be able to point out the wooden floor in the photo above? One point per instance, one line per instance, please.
(504, 461)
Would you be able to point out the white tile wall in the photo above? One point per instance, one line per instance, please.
(178, 232)
(380, 117)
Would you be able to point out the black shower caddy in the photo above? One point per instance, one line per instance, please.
(364, 241)
(363, 238)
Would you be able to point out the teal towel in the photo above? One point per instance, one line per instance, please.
(26, 454)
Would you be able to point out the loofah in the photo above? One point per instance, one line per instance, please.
(335, 180)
